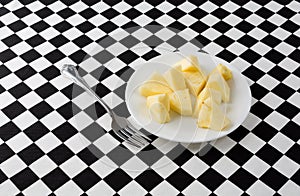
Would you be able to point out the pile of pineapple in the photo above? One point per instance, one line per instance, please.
(173, 90)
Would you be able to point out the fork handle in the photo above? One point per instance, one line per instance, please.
(71, 72)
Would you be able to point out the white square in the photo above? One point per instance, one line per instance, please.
(284, 48)
(295, 99)
(10, 81)
(100, 187)
(187, 20)
(295, 6)
(48, 142)
(36, 189)
(295, 19)
(165, 7)
(228, 188)
(261, 48)
(72, 33)
(260, 189)
(282, 35)
(196, 188)
(164, 188)
(19, 142)
(77, 143)
(292, 81)
(5, 99)
(256, 166)
(3, 120)
(134, 166)
(103, 166)
(24, 120)
(277, 19)
(276, 120)
(252, 6)
(60, 82)
(97, 20)
(237, 48)
(57, 100)
(296, 119)
(223, 144)
(225, 167)
(79, 6)
(8, 187)
(83, 100)
(116, 49)
(240, 64)
(289, 64)
(164, 145)
(264, 64)
(286, 166)
(187, 7)
(14, 5)
(73, 166)
(281, 142)
(41, 63)
(268, 82)
(272, 100)
(35, 81)
(251, 121)
(188, 34)
(49, 33)
(195, 167)
(12, 166)
(5, 32)
(208, 7)
(42, 166)
(54, 116)
(234, 34)
(273, 6)
(122, 7)
(69, 188)
(8, 18)
(57, 6)
(213, 48)
(164, 34)
(211, 34)
(69, 48)
(17, 62)
(132, 188)
(232, 20)
(45, 48)
(80, 121)
(164, 167)
(252, 143)
(31, 19)
(100, 6)
(106, 143)
(75, 20)
(143, 7)
(30, 99)
(290, 188)
(209, 19)
(142, 20)
(35, 6)
(258, 33)
(105, 121)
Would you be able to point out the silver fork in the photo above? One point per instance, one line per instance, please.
(120, 125)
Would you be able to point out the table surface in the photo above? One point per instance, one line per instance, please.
(41, 150)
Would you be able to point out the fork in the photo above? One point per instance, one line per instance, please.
(120, 125)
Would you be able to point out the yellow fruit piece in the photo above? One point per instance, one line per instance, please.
(189, 63)
(211, 116)
(159, 106)
(195, 81)
(175, 79)
(156, 84)
(205, 94)
(217, 82)
(224, 71)
(180, 102)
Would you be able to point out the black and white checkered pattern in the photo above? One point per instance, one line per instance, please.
(42, 152)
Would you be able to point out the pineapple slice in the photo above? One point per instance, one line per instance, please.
(189, 63)
(195, 81)
(175, 79)
(180, 102)
(159, 107)
(217, 82)
(224, 71)
(156, 84)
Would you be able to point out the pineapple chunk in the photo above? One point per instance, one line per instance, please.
(205, 94)
(224, 71)
(156, 84)
(195, 81)
(159, 107)
(180, 102)
(211, 116)
(175, 79)
(217, 82)
(189, 63)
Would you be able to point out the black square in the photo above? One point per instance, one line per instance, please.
(220, 13)
(63, 26)
(54, 56)
(110, 13)
(55, 179)
(103, 57)
(60, 154)
(82, 41)
(153, 41)
(293, 40)
(3, 10)
(36, 131)
(72, 91)
(175, 13)
(253, 73)
(290, 26)
(88, 13)
(12, 40)
(290, 130)
(85, 26)
(247, 41)
(239, 154)
(121, 91)
(250, 56)
(274, 56)
(24, 179)
(4, 71)
(278, 73)
(120, 155)
(245, 26)
(50, 72)
(41, 109)
(271, 41)
(176, 41)
(79, 56)
(44, 13)
(154, 13)
(66, 13)
(293, 153)
(149, 179)
(118, 179)
(9, 130)
(108, 27)
(267, 26)
(13, 110)
(295, 55)
(129, 41)
(242, 178)
(264, 131)
(296, 177)
(283, 91)
(296, 72)
(224, 41)
(122, 110)
(132, 13)
(128, 57)
(35, 40)
(90, 2)
(6, 152)
(185, 179)
(239, 134)
(288, 110)
(211, 179)
(48, 2)
(242, 13)
(150, 155)
(261, 110)
(86, 179)
(58, 41)
(264, 13)
(151, 54)
(258, 91)
(19, 90)
(286, 12)
(87, 156)
(212, 155)
(46, 90)
(222, 27)
(93, 132)
(22, 12)
(7, 55)
(40, 26)
(273, 179)
(269, 154)
(3, 177)
(2, 89)
(64, 131)
(106, 41)
(30, 56)
(198, 13)
(17, 26)
(31, 154)
(177, 26)
(199, 27)
(240, 2)
(68, 110)
(227, 55)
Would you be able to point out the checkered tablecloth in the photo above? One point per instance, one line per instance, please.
(41, 150)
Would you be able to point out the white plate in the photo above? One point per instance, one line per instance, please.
(184, 129)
